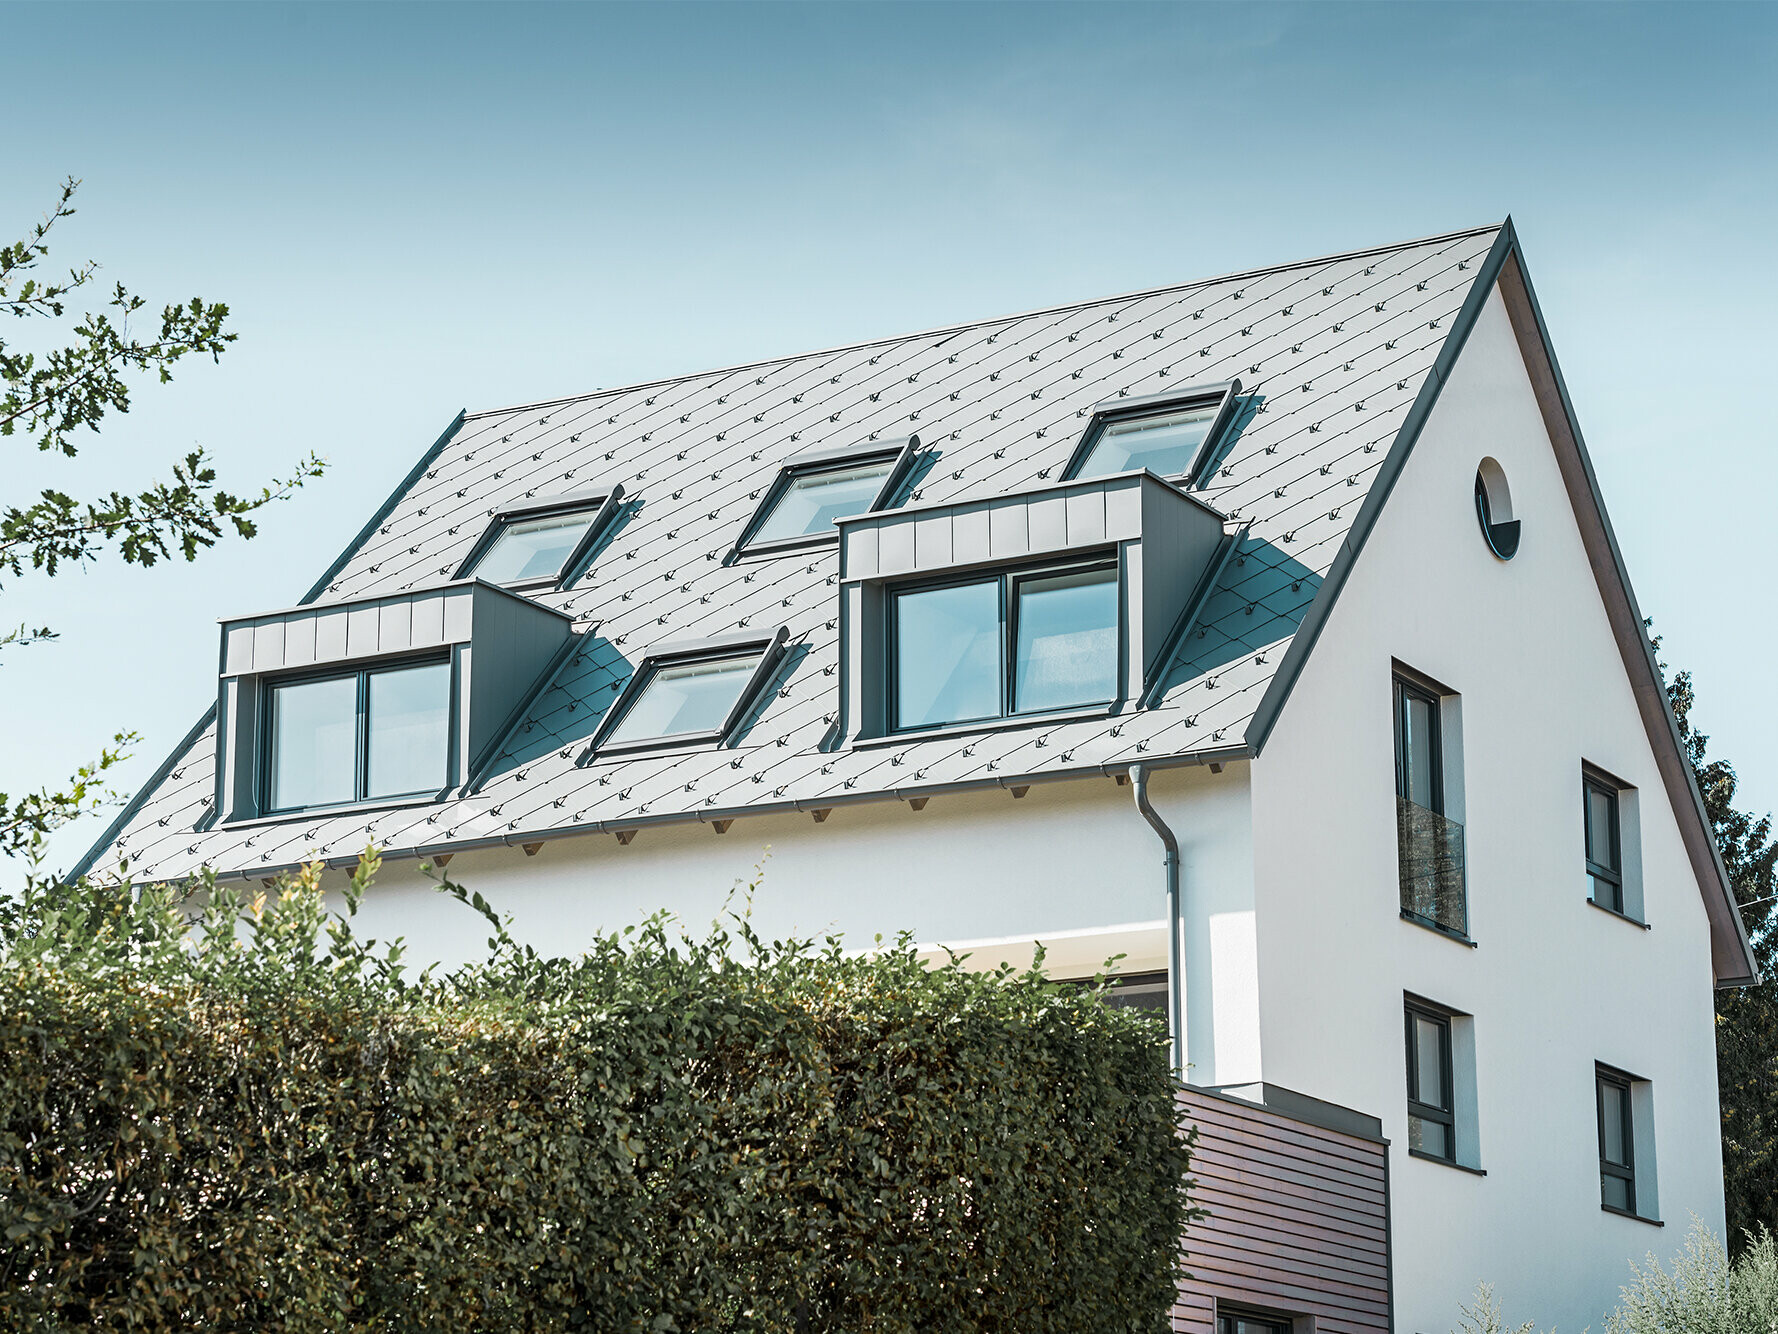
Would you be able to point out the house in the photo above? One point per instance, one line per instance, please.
(1267, 631)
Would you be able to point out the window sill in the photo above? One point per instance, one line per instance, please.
(1625, 1213)
(984, 725)
(1455, 937)
(328, 812)
(1621, 916)
(1447, 1162)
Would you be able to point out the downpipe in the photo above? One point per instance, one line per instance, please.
(1175, 917)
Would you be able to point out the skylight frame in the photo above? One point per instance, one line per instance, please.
(1223, 394)
(898, 453)
(770, 648)
(603, 506)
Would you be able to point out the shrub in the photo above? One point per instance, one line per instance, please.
(260, 1121)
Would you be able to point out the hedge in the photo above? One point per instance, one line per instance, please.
(259, 1121)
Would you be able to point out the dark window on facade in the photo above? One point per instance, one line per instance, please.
(1025, 642)
(1234, 1322)
(1431, 1123)
(1139, 991)
(357, 736)
(1605, 862)
(1617, 1144)
(1430, 843)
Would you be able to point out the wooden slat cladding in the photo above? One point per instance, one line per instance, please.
(1298, 1218)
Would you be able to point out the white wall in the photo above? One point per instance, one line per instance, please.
(1554, 983)
(1071, 863)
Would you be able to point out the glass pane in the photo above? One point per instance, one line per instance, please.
(1616, 1112)
(947, 654)
(1418, 725)
(1428, 1137)
(1429, 1062)
(408, 731)
(1165, 445)
(314, 742)
(1599, 812)
(1067, 650)
(690, 697)
(813, 501)
(1142, 992)
(532, 548)
(1604, 893)
(1615, 1191)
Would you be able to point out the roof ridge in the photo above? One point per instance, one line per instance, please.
(951, 329)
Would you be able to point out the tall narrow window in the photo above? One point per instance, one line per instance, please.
(1430, 842)
(1431, 1096)
(1026, 642)
(359, 736)
(1617, 1143)
(1605, 864)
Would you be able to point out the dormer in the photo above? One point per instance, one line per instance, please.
(378, 701)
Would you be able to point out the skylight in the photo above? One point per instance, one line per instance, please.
(691, 693)
(532, 548)
(816, 488)
(693, 697)
(542, 540)
(1171, 436)
(812, 501)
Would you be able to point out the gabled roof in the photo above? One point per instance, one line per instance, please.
(1335, 355)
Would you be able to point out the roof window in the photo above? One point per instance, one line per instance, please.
(816, 489)
(688, 694)
(1173, 435)
(542, 542)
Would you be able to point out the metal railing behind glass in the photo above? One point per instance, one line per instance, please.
(1431, 867)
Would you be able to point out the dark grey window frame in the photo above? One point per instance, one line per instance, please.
(1235, 1316)
(1116, 411)
(1008, 579)
(899, 454)
(1603, 1076)
(1592, 781)
(1404, 688)
(263, 757)
(770, 648)
(603, 506)
(1446, 1115)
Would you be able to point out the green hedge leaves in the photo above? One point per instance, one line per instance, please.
(260, 1122)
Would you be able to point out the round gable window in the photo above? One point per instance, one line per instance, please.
(1494, 509)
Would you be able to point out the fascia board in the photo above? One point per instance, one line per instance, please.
(1265, 717)
(426, 590)
(1613, 577)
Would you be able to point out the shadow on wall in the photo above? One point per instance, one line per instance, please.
(571, 709)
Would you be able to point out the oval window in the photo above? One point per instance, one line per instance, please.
(1494, 509)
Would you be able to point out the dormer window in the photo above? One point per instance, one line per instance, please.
(358, 736)
(541, 542)
(815, 489)
(1173, 435)
(688, 694)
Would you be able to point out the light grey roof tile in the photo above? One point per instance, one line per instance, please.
(1335, 350)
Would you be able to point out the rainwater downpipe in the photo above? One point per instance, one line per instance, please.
(1175, 918)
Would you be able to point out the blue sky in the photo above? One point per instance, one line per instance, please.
(414, 209)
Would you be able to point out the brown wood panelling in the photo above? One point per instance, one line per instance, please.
(1298, 1217)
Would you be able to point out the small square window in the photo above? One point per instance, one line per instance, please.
(687, 694)
(813, 491)
(1605, 865)
(359, 736)
(1431, 1086)
(1172, 436)
(1032, 641)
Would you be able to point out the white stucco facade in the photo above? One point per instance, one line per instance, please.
(1554, 984)
(1297, 960)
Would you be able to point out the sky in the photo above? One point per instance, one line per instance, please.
(412, 209)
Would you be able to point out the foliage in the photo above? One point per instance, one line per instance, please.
(1746, 1017)
(51, 396)
(261, 1121)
